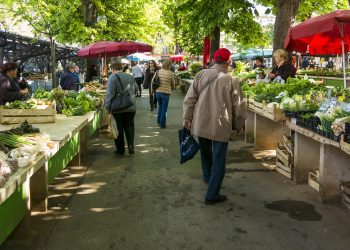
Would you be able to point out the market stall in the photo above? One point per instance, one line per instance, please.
(27, 188)
(41, 143)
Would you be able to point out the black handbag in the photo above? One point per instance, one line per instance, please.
(155, 81)
(121, 100)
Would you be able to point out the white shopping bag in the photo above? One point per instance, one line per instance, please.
(112, 127)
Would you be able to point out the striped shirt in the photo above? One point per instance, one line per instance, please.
(167, 81)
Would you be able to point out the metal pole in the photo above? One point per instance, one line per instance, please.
(343, 52)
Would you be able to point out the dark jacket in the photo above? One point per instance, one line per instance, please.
(76, 77)
(68, 81)
(114, 86)
(9, 90)
(284, 71)
(148, 78)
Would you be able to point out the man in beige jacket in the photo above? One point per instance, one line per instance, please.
(213, 106)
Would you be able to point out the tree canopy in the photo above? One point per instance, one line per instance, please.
(114, 20)
(195, 19)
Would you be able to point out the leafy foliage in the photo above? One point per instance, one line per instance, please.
(195, 19)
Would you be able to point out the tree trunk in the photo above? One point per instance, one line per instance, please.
(214, 42)
(53, 62)
(286, 11)
(90, 13)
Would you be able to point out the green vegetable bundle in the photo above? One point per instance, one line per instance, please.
(42, 94)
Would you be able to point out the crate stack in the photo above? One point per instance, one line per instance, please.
(284, 157)
(345, 193)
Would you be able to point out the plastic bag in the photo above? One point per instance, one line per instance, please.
(188, 145)
(112, 127)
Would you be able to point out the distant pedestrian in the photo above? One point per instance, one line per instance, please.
(330, 64)
(137, 74)
(124, 118)
(150, 70)
(167, 85)
(304, 63)
(213, 106)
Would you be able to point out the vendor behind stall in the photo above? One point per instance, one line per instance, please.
(68, 81)
(284, 68)
(10, 90)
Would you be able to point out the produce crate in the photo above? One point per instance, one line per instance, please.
(288, 144)
(313, 180)
(345, 193)
(274, 113)
(42, 114)
(344, 145)
(259, 107)
(284, 162)
(250, 103)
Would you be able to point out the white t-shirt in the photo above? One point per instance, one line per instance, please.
(136, 71)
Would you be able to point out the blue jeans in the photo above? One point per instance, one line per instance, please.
(163, 101)
(213, 159)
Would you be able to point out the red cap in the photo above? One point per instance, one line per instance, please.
(222, 55)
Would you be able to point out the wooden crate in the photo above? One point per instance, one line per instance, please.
(313, 181)
(259, 107)
(288, 144)
(345, 193)
(284, 170)
(250, 103)
(284, 162)
(274, 113)
(33, 116)
(344, 145)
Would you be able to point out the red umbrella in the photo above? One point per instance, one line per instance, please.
(99, 49)
(129, 47)
(108, 49)
(177, 58)
(323, 35)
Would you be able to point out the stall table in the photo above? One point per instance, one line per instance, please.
(315, 152)
(28, 188)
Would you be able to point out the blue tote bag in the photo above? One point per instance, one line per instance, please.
(188, 145)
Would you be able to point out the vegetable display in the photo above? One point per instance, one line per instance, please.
(78, 104)
(24, 128)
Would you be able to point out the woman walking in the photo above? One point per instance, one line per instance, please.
(167, 85)
(151, 69)
(117, 83)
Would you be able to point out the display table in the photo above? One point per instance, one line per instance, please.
(264, 132)
(185, 84)
(27, 189)
(314, 152)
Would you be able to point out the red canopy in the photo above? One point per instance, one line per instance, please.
(177, 58)
(98, 49)
(320, 35)
(129, 47)
(108, 49)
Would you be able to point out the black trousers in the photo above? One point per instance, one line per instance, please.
(138, 81)
(125, 124)
(152, 98)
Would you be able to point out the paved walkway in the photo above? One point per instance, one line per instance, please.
(149, 201)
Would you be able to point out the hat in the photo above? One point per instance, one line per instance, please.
(222, 55)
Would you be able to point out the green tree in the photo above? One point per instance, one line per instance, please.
(198, 18)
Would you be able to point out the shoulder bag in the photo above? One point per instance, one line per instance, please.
(155, 81)
(121, 100)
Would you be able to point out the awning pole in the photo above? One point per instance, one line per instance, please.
(343, 52)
